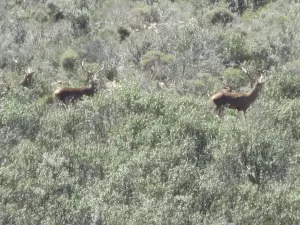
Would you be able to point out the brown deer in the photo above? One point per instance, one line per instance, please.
(237, 100)
(28, 79)
(69, 94)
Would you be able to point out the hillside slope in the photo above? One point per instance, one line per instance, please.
(148, 147)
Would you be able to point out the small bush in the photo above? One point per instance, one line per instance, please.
(235, 46)
(80, 20)
(249, 16)
(235, 78)
(285, 86)
(220, 15)
(111, 73)
(55, 12)
(108, 32)
(147, 14)
(69, 59)
(157, 63)
(153, 57)
(41, 16)
(124, 33)
(46, 99)
(204, 86)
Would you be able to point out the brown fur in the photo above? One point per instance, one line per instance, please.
(66, 94)
(236, 100)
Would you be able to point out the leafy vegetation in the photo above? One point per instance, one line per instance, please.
(148, 147)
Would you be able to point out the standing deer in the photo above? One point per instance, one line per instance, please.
(237, 100)
(69, 94)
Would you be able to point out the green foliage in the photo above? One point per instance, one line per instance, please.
(149, 148)
(108, 32)
(146, 13)
(124, 33)
(248, 16)
(235, 78)
(80, 21)
(54, 12)
(156, 62)
(286, 83)
(257, 158)
(41, 16)
(111, 74)
(219, 15)
(235, 46)
(69, 59)
(205, 86)
(153, 57)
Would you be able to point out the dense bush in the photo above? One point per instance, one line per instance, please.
(236, 47)
(220, 15)
(148, 147)
(68, 60)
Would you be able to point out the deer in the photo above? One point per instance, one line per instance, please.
(237, 100)
(70, 94)
(28, 79)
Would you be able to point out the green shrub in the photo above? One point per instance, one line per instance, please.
(156, 64)
(124, 33)
(111, 73)
(235, 78)
(108, 32)
(204, 86)
(80, 20)
(248, 16)
(285, 84)
(41, 16)
(262, 56)
(46, 99)
(245, 154)
(54, 12)
(236, 49)
(156, 57)
(220, 15)
(69, 60)
(146, 13)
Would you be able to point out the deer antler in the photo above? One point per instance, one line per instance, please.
(245, 71)
(82, 66)
(248, 75)
(16, 61)
(88, 71)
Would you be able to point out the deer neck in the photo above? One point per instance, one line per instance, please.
(92, 87)
(253, 94)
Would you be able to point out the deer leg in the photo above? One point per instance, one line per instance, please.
(221, 111)
(218, 110)
(244, 111)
